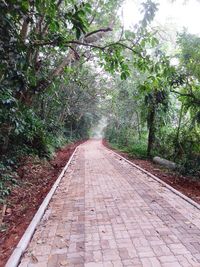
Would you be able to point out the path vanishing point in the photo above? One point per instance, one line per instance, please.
(107, 213)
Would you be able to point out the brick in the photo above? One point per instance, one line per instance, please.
(107, 213)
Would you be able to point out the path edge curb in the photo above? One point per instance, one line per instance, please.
(16, 255)
(189, 200)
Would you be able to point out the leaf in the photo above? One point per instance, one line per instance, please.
(34, 259)
(40, 241)
(88, 7)
(154, 41)
(78, 33)
(54, 26)
(64, 263)
(123, 76)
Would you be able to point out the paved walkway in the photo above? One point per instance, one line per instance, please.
(108, 213)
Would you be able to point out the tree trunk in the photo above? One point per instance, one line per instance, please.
(176, 143)
(151, 137)
(5, 130)
(138, 125)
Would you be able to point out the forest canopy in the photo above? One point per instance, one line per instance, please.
(65, 65)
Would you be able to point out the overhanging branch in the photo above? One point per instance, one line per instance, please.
(195, 100)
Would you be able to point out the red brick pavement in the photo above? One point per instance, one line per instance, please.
(107, 213)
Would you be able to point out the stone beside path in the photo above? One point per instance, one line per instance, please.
(107, 213)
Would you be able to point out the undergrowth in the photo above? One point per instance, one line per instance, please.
(136, 150)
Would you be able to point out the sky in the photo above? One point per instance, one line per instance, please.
(181, 14)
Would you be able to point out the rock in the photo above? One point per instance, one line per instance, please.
(164, 162)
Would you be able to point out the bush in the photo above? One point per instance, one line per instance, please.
(7, 179)
(126, 139)
(138, 149)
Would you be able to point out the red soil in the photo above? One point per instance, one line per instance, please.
(36, 178)
(186, 185)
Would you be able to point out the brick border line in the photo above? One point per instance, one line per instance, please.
(189, 200)
(15, 257)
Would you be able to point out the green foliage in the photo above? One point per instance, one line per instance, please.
(157, 107)
(190, 55)
(139, 149)
(135, 148)
(113, 60)
(39, 95)
(149, 9)
(188, 154)
(7, 179)
(51, 93)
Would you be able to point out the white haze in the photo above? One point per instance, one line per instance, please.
(98, 131)
(183, 14)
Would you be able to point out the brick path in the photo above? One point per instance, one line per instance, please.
(108, 213)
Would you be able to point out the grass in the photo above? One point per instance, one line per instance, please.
(138, 150)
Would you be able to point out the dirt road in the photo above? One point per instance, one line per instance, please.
(108, 213)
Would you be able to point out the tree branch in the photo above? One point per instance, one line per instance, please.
(195, 100)
(108, 29)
